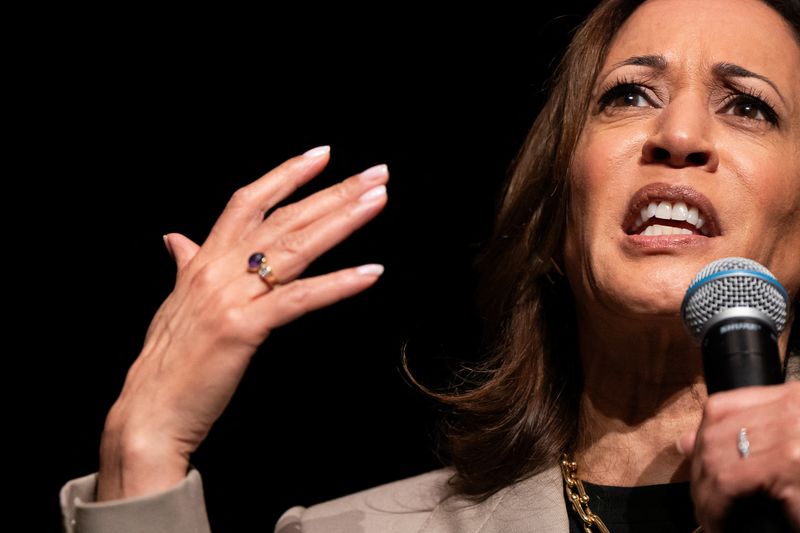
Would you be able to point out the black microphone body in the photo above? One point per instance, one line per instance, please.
(736, 308)
(740, 351)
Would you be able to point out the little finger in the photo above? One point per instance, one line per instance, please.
(288, 302)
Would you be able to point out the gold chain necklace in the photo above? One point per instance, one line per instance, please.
(577, 497)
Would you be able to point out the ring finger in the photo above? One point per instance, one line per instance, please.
(290, 254)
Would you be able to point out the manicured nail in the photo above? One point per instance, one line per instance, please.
(373, 194)
(374, 173)
(317, 152)
(169, 248)
(372, 269)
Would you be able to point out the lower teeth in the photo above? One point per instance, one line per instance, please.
(657, 230)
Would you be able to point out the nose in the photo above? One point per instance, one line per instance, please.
(682, 137)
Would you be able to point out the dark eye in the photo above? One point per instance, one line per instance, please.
(624, 95)
(750, 108)
(630, 100)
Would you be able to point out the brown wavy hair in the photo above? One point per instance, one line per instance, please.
(512, 415)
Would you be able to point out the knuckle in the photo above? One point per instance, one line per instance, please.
(284, 215)
(231, 322)
(791, 455)
(343, 190)
(714, 409)
(243, 197)
(298, 294)
(789, 493)
(293, 243)
(204, 278)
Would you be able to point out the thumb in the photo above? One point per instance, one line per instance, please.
(685, 443)
(181, 248)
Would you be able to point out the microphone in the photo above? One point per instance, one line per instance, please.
(737, 309)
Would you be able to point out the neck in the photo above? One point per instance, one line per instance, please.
(641, 391)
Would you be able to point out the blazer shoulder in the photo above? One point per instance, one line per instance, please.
(397, 507)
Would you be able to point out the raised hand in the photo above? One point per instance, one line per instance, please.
(203, 336)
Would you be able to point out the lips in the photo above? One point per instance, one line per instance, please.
(663, 209)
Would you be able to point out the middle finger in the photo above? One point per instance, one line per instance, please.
(298, 215)
(291, 253)
(294, 251)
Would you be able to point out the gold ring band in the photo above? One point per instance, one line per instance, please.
(258, 264)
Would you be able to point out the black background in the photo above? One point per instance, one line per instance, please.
(146, 123)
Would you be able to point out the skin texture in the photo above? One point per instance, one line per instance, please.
(200, 341)
(684, 125)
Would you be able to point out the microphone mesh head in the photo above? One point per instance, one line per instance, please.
(733, 282)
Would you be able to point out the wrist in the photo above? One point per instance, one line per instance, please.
(134, 464)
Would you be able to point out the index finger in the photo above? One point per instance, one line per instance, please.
(723, 403)
(720, 405)
(245, 210)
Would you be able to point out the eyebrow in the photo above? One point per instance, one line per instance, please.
(656, 62)
(721, 70)
(729, 70)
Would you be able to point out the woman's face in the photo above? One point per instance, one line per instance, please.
(695, 117)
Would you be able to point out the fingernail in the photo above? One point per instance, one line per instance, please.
(169, 248)
(317, 152)
(374, 173)
(373, 194)
(373, 269)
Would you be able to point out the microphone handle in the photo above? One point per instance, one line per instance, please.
(742, 352)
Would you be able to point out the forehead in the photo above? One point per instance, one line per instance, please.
(703, 32)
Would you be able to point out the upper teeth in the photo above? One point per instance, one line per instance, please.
(670, 211)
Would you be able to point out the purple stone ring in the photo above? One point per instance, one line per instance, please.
(258, 263)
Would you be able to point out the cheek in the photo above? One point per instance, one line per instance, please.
(602, 174)
(603, 171)
(780, 205)
(765, 221)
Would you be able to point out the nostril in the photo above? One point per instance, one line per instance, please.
(660, 154)
(697, 158)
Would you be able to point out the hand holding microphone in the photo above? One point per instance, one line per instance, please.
(737, 309)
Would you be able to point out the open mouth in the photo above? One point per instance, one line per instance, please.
(662, 209)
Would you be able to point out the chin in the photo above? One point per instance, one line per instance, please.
(656, 305)
(654, 291)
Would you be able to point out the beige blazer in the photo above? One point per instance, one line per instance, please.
(418, 504)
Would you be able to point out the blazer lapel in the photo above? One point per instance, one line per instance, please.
(535, 505)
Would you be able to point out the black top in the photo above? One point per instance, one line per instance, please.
(648, 509)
